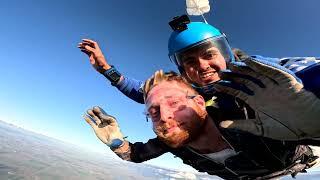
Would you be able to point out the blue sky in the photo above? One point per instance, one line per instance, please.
(47, 83)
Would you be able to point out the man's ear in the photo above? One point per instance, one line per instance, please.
(200, 101)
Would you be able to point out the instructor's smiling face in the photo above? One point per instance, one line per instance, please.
(201, 65)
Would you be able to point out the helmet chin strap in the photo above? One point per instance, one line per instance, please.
(206, 89)
(203, 90)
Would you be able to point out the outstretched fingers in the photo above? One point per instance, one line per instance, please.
(92, 43)
(89, 41)
(248, 125)
(272, 70)
(249, 81)
(94, 117)
(90, 121)
(103, 116)
(234, 89)
(87, 48)
(256, 77)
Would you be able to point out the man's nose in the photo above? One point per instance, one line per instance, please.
(203, 64)
(166, 114)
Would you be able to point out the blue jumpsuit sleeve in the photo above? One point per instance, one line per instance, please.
(267, 59)
(307, 69)
(294, 64)
(131, 88)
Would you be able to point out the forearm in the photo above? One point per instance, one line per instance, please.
(131, 88)
(139, 152)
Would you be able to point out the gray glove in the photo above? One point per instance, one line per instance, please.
(105, 127)
(284, 110)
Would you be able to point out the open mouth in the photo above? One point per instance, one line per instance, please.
(207, 75)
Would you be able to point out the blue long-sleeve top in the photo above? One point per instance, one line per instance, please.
(132, 88)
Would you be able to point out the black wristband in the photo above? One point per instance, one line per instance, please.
(112, 75)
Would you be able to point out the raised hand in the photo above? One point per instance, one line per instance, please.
(96, 57)
(284, 109)
(105, 127)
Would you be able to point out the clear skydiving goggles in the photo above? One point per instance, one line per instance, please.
(220, 42)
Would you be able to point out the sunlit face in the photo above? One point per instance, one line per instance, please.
(177, 116)
(202, 65)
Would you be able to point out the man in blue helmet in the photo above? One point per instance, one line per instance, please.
(199, 61)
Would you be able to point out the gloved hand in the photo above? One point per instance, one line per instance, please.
(105, 127)
(284, 110)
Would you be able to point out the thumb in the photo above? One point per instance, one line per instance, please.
(92, 59)
(239, 54)
(248, 125)
(269, 128)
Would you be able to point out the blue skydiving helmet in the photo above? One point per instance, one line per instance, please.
(188, 36)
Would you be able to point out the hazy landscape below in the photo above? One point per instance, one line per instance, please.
(27, 155)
